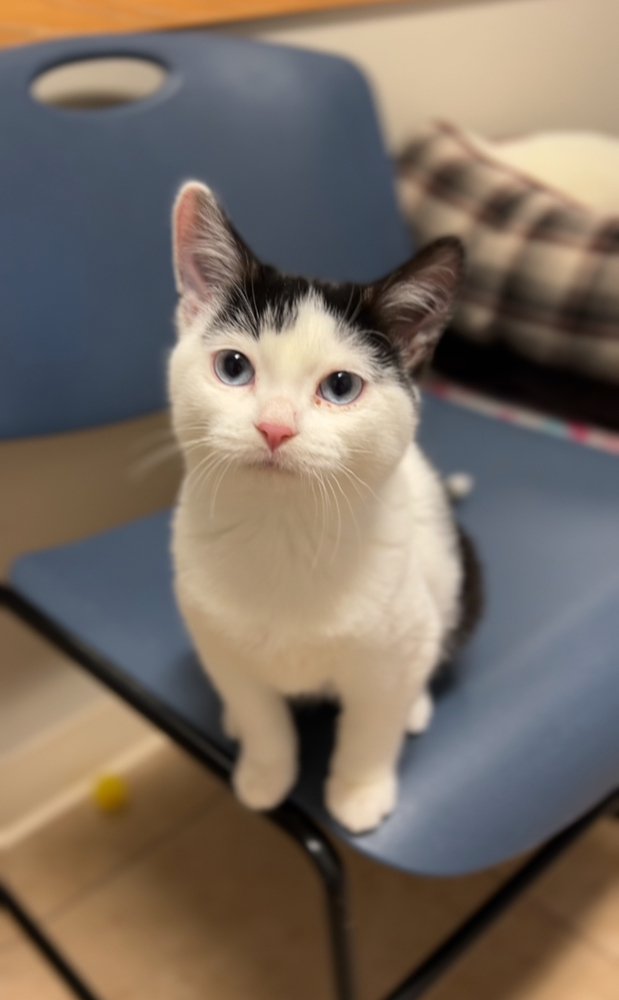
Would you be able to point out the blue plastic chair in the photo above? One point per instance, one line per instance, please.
(524, 749)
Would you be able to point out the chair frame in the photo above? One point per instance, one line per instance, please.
(312, 840)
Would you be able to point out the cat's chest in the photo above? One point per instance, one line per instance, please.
(297, 666)
(278, 577)
(268, 587)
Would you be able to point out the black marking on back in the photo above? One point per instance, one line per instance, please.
(472, 590)
(471, 606)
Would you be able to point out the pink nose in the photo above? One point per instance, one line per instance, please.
(275, 433)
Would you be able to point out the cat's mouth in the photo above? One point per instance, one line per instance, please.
(272, 463)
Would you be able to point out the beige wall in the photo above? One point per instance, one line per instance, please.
(57, 489)
(499, 66)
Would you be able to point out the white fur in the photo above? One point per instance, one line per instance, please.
(459, 485)
(327, 568)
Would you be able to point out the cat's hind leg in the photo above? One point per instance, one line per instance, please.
(420, 713)
(459, 485)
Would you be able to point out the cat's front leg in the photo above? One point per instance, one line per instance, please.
(267, 766)
(362, 786)
(266, 769)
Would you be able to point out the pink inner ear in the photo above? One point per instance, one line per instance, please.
(185, 246)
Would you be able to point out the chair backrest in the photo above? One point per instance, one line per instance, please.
(288, 138)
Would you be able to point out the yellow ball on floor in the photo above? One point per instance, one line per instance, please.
(110, 793)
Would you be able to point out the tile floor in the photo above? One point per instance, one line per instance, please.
(186, 896)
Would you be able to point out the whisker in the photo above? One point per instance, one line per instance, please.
(365, 485)
(160, 455)
(347, 499)
(339, 517)
(152, 437)
(323, 509)
(253, 295)
(350, 298)
(218, 484)
(205, 464)
(357, 309)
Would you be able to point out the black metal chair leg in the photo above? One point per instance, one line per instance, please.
(321, 852)
(423, 977)
(73, 980)
(313, 841)
(299, 826)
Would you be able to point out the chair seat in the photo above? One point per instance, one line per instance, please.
(526, 738)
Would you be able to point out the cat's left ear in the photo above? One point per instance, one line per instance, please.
(416, 301)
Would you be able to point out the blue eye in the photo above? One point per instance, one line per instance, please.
(233, 368)
(341, 387)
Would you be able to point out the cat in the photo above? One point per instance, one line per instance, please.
(314, 547)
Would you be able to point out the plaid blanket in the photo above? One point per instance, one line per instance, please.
(543, 271)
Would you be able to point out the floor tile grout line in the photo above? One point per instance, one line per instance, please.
(219, 800)
(575, 931)
(132, 859)
(62, 909)
(6, 946)
(216, 801)
(566, 922)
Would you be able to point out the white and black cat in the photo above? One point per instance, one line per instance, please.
(314, 547)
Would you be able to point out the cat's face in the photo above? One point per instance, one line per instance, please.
(289, 377)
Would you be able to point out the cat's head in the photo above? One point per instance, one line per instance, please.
(287, 375)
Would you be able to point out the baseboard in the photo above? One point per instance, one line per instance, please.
(49, 773)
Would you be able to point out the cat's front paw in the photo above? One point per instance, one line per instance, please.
(361, 805)
(262, 785)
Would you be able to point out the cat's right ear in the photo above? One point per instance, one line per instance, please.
(209, 257)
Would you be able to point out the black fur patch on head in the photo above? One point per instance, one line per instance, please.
(265, 296)
(354, 306)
